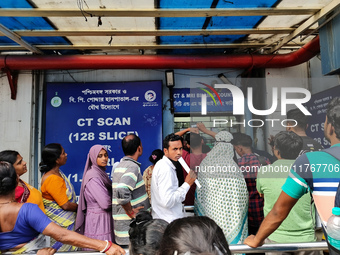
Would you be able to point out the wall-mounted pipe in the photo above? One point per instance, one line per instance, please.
(67, 62)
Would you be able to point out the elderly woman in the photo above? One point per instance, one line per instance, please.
(223, 195)
(21, 224)
(23, 192)
(94, 216)
(57, 191)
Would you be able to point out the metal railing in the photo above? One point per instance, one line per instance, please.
(279, 247)
(282, 247)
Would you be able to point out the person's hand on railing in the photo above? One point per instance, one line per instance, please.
(252, 241)
(46, 251)
(115, 250)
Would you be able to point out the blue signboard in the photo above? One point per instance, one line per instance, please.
(317, 106)
(188, 100)
(79, 116)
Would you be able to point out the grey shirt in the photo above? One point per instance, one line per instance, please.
(127, 186)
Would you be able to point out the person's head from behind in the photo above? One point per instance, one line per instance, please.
(197, 235)
(186, 142)
(155, 156)
(172, 146)
(196, 141)
(332, 123)
(287, 145)
(52, 155)
(300, 123)
(15, 159)
(8, 178)
(145, 234)
(242, 143)
(132, 145)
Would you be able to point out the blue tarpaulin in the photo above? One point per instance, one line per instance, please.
(27, 23)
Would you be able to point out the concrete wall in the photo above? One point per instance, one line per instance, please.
(17, 119)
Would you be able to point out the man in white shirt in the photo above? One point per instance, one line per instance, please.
(167, 197)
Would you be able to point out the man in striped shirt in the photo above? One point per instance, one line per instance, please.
(128, 190)
(316, 172)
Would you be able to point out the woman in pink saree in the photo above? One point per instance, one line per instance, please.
(94, 215)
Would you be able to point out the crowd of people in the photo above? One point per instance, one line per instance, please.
(245, 195)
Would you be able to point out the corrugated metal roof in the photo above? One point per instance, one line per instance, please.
(158, 27)
(238, 22)
(27, 23)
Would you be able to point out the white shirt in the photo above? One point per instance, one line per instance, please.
(166, 196)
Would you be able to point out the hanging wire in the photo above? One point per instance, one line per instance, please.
(100, 21)
(80, 4)
(72, 76)
(110, 40)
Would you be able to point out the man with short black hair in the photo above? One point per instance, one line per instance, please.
(309, 144)
(128, 189)
(305, 177)
(167, 196)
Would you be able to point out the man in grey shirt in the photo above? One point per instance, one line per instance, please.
(128, 189)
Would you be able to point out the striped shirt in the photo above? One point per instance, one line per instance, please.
(127, 186)
(317, 172)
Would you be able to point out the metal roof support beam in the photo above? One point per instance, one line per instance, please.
(307, 24)
(36, 12)
(148, 46)
(162, 32)
(16, 38)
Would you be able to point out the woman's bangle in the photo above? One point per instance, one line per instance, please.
(105, 249)
(108, 248)
(131, 215)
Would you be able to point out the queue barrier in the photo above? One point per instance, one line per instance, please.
(242, 248)
(280, 247)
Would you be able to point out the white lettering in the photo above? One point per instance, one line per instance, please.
(219, 121)
(238, 97)
(244, 122)
(258, 120)
(262, 112)
(82, 122)
(109, 136)
(289, 120)
(296, 101)
(114, 122)
(272, 120)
